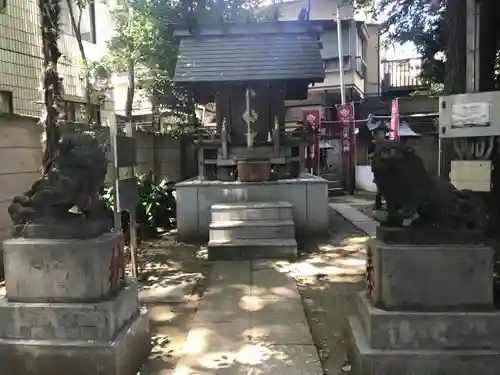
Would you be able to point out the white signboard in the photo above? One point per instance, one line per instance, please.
(470, 115)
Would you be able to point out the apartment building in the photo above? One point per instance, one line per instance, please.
(360, 50)
(21, 56)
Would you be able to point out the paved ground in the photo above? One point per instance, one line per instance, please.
(354, 211)
(253, 319)
(250, 322)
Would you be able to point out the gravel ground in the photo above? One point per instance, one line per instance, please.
(328, 295)
(166, 262)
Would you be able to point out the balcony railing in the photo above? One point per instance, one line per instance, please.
(402, 73)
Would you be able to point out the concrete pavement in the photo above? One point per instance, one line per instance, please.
(356, 217)
(249, 322)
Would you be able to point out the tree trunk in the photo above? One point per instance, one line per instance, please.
(488, 43)
(76, 25)
(52, 84)
(456, 52)
(130, 90)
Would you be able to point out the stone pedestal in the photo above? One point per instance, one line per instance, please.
(428, 310)
(69, 310)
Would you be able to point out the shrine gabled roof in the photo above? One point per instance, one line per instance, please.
(243, 53)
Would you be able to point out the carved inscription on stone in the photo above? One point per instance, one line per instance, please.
(370, 282)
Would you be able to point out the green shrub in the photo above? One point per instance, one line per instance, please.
(156, 208)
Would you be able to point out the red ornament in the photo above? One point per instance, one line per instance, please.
(116, 267)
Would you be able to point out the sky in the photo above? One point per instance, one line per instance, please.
(401, 52)
(398, 51)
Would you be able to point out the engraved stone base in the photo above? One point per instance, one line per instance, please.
(69, 321)
(69, 310)
(430, 277)
(64, 270)
(123, 355)
(368, 361)
(428, 310)
(414, 330)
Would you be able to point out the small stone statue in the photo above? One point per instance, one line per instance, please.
(75, 178)
(418, 200)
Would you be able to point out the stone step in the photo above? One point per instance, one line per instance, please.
(336, 191)
(246, 249)
(368, 361)
(234, 230)
(401, 330)
(252, 211)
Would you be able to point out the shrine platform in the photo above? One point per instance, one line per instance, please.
(308, 195)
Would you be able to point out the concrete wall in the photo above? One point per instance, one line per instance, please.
(141, 104)
(372, 60)
(426, 148)
(161, 153)
(20, 155)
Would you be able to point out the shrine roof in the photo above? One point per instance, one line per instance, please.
(286, 50)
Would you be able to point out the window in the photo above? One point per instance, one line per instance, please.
(3, 4)
(333, 66)
(360, 47)
(87, 20)
(5, 101)
(360, 55)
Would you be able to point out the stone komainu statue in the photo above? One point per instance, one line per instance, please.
(422, 200)
(75, 178)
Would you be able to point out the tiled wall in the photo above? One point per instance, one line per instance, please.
(21, 56)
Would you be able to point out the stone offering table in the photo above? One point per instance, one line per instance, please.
(428, 308)
(69, 309)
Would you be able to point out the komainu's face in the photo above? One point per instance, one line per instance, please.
(396, 168)
(393, 151)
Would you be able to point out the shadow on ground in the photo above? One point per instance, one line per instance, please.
(328, 276)
(165, 263)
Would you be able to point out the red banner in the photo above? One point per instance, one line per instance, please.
(345, 114)
(346, 118)
(311, 119)
(394, 125)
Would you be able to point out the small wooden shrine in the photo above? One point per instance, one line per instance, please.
(249, 70)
